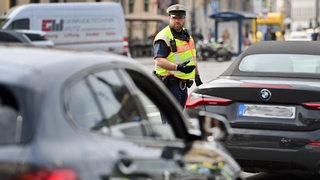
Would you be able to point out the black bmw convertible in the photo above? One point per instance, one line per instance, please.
(270, 95)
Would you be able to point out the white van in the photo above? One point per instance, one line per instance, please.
(89, 26)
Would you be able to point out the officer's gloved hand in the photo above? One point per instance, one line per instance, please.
(198, 80)
(184, 68)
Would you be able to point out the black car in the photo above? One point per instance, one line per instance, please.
(270, 95)
(78, 115)
(27, 37)
(8, 36)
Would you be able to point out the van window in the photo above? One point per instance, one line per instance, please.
(19, 24)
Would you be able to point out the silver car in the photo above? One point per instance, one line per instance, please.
(79, 115)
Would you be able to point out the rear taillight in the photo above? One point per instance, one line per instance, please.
(314, 143)
(312, 105)
(58, 174)
(125, 46)
(194, 100)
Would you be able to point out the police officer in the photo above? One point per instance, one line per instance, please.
(175, 55)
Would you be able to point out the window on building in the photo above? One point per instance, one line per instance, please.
(131, 5)
(13, 3)
(34, 1)
(146, 5)
(245, 5)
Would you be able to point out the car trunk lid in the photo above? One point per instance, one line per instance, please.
(265, 104)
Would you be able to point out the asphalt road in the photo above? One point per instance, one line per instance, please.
(208, 69)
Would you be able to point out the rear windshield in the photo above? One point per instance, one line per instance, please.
(281, 63)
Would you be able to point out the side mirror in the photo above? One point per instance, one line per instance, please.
(213, 127)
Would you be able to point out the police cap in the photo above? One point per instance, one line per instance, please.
(176, 10)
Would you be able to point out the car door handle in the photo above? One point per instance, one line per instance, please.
(127, 166)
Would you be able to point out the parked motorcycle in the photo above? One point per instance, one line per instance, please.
(222, 52)
(217, 50)
(204, 50)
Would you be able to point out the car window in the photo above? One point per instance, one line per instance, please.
(155, 103)
(3, 21)
(102, 103)
(10, 119)
(121, 111)
(82, 106)
(110, 102)
(35, 37)
(19, 24)
(158, 120)
(283, 63)
(6, 37)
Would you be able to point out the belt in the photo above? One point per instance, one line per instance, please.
(171, 80)
(182, 84)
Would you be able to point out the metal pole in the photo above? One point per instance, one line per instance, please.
(193, 21)
(317, 14)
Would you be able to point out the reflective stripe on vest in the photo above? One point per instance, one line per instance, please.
(185, 51)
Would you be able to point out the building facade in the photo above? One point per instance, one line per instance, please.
(150, 15)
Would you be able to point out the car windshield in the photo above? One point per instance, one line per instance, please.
(281, 63)
(2, 22)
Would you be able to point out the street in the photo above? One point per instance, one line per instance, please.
(208, 69)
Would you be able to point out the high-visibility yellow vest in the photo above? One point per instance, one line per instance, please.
(185, 51)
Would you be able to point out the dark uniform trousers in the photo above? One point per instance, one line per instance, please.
(180, 94)
(178, 87)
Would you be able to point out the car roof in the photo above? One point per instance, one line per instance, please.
(33, 65)
(274, 47)
(283, 47)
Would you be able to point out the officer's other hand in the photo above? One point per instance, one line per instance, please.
(198, 80)
(184, 68)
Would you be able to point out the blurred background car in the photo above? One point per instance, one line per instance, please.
(37, 38)
(27, 37)
(298, 36)
(80, 115)
(270, 96)
(8, 36)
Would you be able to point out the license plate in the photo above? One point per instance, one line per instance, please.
(267, 111)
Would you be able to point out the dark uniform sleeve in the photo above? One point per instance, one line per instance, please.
(160, 49)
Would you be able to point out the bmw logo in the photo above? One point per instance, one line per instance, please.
(265, 94)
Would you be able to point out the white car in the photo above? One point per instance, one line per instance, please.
(298, 36)
(37, 38)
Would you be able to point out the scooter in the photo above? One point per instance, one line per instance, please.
(222, 52)
(204, 50)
